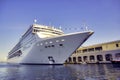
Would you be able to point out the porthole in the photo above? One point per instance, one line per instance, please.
(60, 44)
(53, 45)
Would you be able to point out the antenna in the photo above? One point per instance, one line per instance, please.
(35, 21)
(60, 27)
(85, 26)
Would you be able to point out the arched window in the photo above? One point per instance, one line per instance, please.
(74, 59)
(70, 60)
(92, 58)
(66, 61)
(99, 57)
(79, 59)
(85, 58)
(108, 57)
(117, 55)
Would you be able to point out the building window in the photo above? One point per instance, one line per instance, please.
(91, 49)
(66, 61)
(75, 52)
(117, 55)
(98, 48)
(85, 50)
(99, 57)
(92, 58)
(85, 58)
(70, 60)
(117, 45)
(79, 59)
(108, 57)
(79, 51)
(74, 59)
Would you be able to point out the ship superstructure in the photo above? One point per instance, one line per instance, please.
(46, 45)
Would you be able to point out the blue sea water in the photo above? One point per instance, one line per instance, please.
(60, 72)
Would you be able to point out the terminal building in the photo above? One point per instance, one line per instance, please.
(98, 53)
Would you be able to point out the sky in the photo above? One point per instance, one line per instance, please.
(101, 16)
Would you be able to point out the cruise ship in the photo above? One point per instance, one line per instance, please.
(42, 44)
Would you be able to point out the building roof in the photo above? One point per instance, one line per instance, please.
(100, 44)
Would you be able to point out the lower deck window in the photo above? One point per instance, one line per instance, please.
(53, 45)
(45, 46)
(60, 44)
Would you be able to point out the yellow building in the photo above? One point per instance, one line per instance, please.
(98, 53)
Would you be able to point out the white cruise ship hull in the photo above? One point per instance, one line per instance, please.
(53, 50)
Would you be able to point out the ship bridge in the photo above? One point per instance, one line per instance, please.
(45, 31)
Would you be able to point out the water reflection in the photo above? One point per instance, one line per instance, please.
(96, 72)
(61, 72)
